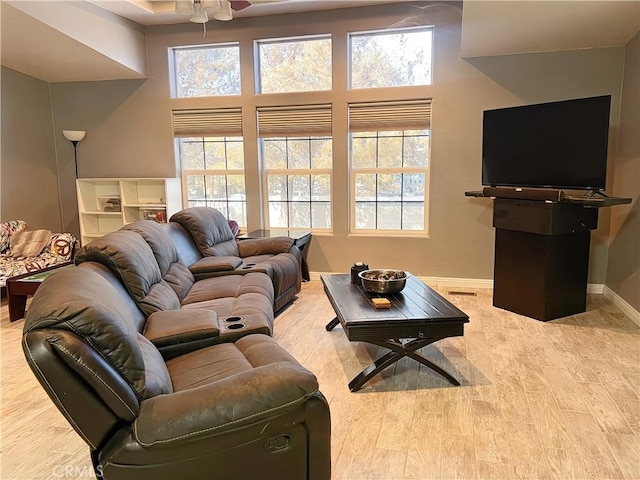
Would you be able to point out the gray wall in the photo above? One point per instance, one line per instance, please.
(120, 139)
(129, 131)
(623, 272)
(128, 128)
(28, 175)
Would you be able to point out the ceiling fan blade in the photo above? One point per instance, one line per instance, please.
(239, 4)
(184, 7)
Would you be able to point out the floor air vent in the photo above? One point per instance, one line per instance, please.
(458, 292)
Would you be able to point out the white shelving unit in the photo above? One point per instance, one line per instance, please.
(106, 204)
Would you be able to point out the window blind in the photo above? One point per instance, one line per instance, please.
(294, 121)
(402, 115)
(207, 122)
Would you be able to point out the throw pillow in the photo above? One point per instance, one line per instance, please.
(29, 244)
(7, 229)
(233, 225)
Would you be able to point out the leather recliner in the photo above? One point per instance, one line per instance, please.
(242, 409)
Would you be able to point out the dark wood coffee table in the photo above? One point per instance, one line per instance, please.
(21, 286)
(418, 316)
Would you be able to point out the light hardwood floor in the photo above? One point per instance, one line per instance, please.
(555, 400)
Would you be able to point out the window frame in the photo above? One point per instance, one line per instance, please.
(353, 171)
(388, 31)
(310, 172)
(257, 62)
(185, 173)
(173, 68)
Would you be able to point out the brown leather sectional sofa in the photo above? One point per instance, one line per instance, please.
(166, 374)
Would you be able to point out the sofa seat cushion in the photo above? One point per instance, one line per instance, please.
(230, 286)
(207, 365)
(213, 364)
(224, 386)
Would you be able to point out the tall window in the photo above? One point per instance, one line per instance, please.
(384, 107)
(296, 151)
(211, 149)
(213, 175)
(294, 64)
(194, 77)
(389, 166)
(390, 58)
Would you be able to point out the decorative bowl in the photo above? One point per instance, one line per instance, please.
(383, 280)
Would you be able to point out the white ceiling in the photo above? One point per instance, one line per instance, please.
(488, 28)
(32, 47)
(507, 27)
(160, 12)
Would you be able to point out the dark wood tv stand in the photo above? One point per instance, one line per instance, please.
(541, 260)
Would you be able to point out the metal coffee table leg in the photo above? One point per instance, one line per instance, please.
(398, 351)
(330, 326)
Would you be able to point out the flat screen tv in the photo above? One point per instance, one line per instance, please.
(547, 145)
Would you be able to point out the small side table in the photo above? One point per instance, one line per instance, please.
(301, 239)
(21, 286)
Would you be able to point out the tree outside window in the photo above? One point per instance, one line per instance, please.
(213, 175)
(389, 180)
(207, 71)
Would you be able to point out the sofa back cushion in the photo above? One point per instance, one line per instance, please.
(85, 303)
(209, 229)
(28, 243)
(188, 252)
(172, 270)
(131, 259)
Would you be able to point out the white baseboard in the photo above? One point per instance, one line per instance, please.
(597, 288)
(458, 282)
(623, 305)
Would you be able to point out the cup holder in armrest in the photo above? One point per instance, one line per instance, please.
(233, 323)
(235, 326)
(232, 319)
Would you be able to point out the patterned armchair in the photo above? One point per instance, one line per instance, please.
(46, 249)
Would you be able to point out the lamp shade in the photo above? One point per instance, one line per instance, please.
(74, 135)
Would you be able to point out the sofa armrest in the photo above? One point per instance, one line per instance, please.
(215, 264)
(171, 327)
(264, 246)
(234, 401)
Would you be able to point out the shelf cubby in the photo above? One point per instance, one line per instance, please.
(107, 204)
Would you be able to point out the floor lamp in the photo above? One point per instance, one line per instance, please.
(74, 136)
